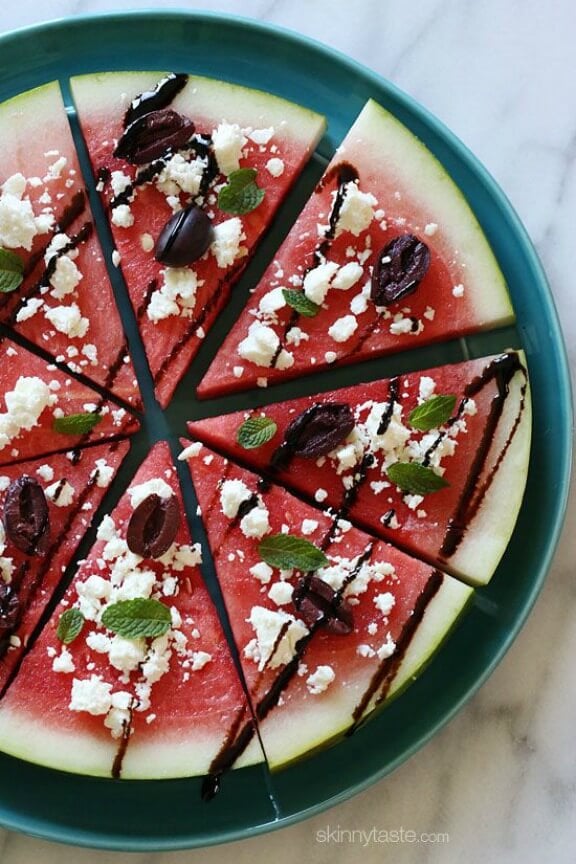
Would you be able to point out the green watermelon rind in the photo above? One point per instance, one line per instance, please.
(285, 742)
(390, 146)
(209, 98)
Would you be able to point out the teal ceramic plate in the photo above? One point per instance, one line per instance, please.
(169, 814)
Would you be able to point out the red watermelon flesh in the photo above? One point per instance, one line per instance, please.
(309, 685)
(381, 185)
(65, 304)
(177, 696)
(35, 394)
(101, 100)
(73, 488)
(463, 527)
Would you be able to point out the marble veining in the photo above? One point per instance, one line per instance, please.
(500, 779)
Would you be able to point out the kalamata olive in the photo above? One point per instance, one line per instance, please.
(185, 237)
(399, 269)
(151, 136)
(26, 516)
(315, 599)
(153, 526)
(315, 432)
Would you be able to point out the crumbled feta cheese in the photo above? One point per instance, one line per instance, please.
(228, 236)
(385, 602)
(295, 336)
(458, 290)
(343, 328)
(261, 136)
(63, 662)
(275, 167)
(126, 654)
(266, 649)
(68, 320)
(347, 276)
(256, 522)
(426, 388)
(155, 486)
(317, 281)
(29, 309)
(147, 242)
(122, 216)
(91, 695)
(309, 526)
(186, 174)
(320, 680)
(320, 495)
(199, 660)
(190, 452)
(272, 301)
(430, 229)
(45, 472)
(227, 142)
(66, 277)
(281, 593)
(262, 572)
(260, 345)
(232, 494)
(387, 649)
(357, 211)
(18, 224)
(25, 403)
(62, 494)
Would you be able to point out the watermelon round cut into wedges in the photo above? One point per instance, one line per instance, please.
(72, 487)
(64, 304)
(381, 614)
(461, 431)
(386, 256)
(230, 129)
(42, 410)
(130, 705)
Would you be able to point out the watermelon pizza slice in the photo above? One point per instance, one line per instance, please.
(387, 255)
(435, 461)
(329, 621)
(42, 410)
(191, 171)
(133, 673)
(54, 288)
(46, 507)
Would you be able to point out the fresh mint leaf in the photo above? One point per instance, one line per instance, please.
(287, 551)
(76, 424)
(133, 619)
(256, 431)
(415, 478)
(11, 271)
(241, 195)
(70, 625)
(432, 413)
(298, 301)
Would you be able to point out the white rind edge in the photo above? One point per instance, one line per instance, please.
(487, 537)
(383, 144)
(30, 738)
(329, 715)
(98, 94)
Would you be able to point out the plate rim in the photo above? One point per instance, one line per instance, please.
(463, 152)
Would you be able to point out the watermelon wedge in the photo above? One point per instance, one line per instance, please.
(43, 411)
(320, 650)
(205, 132)
(386, 255)
(66, 492)
(64, 302)
(131, 705)
(460, 433)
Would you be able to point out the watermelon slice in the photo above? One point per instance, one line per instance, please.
(466, 465)
(175, 302)
(384, 613)
(137, 707)
(64, 303)
(43, 411)
(67, 491)
(386, 255)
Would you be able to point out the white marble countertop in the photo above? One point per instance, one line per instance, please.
(500, 779)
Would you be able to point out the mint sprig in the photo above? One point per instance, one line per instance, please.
(141, 617)
(415, 478)
(76, 424)
(241, 195)
(432, 413)
(70, 625)
(256, 431)
(287, 551)
(11, 271)
(300, 302)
